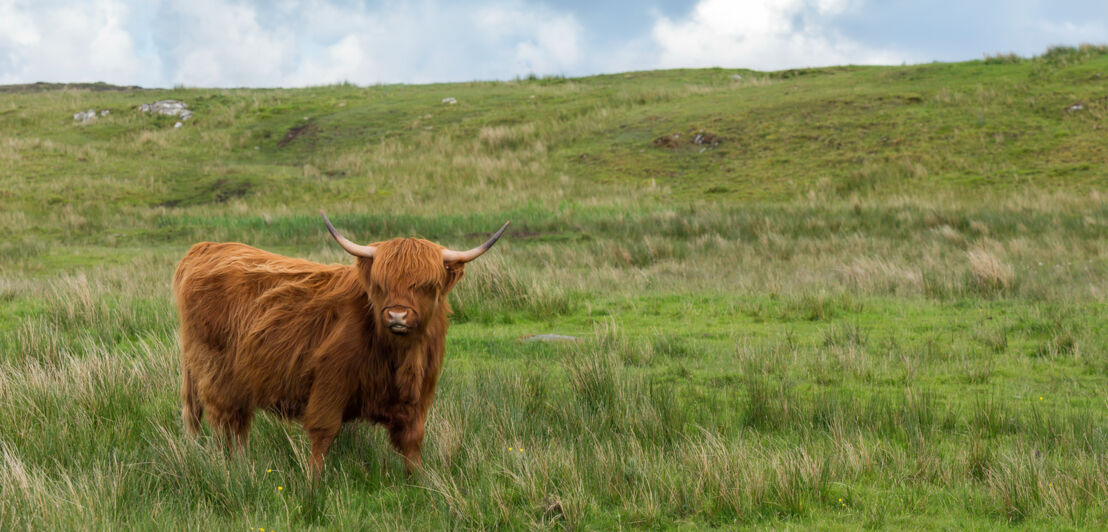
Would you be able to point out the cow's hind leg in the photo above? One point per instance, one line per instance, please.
(191, 409)
(194, 356)
(234, 425)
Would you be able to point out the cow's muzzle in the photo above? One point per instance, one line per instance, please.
(400, 320)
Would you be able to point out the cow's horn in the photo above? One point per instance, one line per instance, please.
(449, 255)
(350, 247)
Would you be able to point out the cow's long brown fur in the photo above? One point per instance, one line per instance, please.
(308, 341)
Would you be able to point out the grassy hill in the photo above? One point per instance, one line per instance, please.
(840, 297)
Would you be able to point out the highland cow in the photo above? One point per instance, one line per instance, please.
(323, 344)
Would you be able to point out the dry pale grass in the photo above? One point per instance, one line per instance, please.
(27, 493)
(154, 138)
(902, 246)
(876, 275)
(988, 272)
(503, 136)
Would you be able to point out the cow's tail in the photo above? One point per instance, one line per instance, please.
(191, 409)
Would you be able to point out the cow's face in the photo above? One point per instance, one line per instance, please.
(407, 279)
(407, 282)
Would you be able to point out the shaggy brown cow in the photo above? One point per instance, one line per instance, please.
(322, 344)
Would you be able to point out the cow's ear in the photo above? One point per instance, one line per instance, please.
(363, 267)
(454, 272)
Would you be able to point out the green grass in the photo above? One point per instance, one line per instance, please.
(876, 302)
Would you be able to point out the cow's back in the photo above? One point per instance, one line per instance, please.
(243, 328)
(215, 285)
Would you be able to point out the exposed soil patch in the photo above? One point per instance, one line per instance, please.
(670, 141)
(295, 132)
(677, 140)
(704, 138)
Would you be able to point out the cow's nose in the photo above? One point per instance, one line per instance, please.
(399, 321)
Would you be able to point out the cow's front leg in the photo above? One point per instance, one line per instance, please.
(322, 420)
(407, 437)
(321, 441)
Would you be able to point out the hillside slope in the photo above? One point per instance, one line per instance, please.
(767, 136)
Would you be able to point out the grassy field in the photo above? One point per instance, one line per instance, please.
(850, 297)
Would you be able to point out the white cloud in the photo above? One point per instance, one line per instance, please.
(61, 42)
(290, 43)
(222, 43)
(545, 42)
(16, 27)
(1086, 31)
(760, 34)
(316, 42)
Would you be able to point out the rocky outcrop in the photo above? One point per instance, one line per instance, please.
(167, 107)
(85, 117)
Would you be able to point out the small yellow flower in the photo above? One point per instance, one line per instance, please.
(840, 499)
(268, 470)
(521, 449)
(279, 488)
(509, 448)
(1040, 398)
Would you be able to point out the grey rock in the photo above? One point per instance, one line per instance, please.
(168, 107)
(737, 77)
(449, 100)
(85, 117)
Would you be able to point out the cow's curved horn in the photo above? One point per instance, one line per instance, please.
(350, 247)
(449, 255)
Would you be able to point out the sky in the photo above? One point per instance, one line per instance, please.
(294, 43)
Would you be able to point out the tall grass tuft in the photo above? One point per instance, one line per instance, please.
(987, 274)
